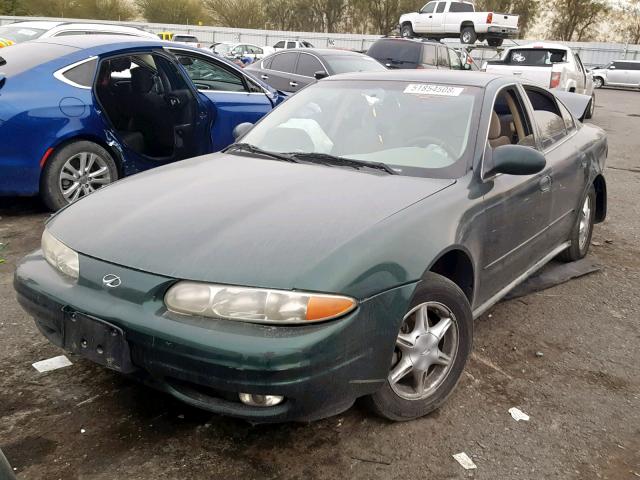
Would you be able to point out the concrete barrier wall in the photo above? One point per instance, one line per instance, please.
(592, 53)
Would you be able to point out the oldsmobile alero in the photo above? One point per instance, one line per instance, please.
(341, 248)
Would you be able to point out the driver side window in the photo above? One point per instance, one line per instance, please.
(207, 75)
(428, 8)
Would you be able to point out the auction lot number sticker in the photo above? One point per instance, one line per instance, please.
(426, 89)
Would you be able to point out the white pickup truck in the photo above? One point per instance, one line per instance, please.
(445, 19)
(549, 64)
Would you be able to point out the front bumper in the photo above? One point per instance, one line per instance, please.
(496, 31)
(319, 369)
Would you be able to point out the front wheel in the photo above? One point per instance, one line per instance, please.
(431, 350)
(591, 108)
(495, 42)
(598, 82)
(74, 171)
(407, 31)
(580, 236)
(468, 35)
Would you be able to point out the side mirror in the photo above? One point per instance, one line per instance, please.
(241, 130)
(612, 67)
(319, 75)
(517, 160)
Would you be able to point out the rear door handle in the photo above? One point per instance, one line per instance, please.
(293, 84)
(545, 183)
(264, 77)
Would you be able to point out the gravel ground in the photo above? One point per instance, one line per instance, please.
(583, 393)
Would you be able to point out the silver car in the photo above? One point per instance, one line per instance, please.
(619, 73)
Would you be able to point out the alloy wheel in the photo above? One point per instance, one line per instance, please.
(425, 351)
(597, 82)
(585, 223)
(466, 37)
(83, 174)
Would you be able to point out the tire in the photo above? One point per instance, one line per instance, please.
(580, 243)
(468, 35)
(399, 401)
(495, 42)
(57, 177)
(407, 31)
(598, 82)
(591, 107)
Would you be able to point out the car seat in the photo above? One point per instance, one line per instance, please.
(496, 139)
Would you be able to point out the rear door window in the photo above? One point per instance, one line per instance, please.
(284, 62)
(440, 7)
(429, 56)
(308, 65)
(547, 115)
(291, 44)
(279, 45)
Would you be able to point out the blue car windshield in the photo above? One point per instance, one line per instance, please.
(417, 129)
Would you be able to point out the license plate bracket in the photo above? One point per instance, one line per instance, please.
(97, 340)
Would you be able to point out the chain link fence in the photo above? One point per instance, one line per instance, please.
(592, 53)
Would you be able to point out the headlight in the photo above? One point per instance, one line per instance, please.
(59, 256)
(255, 304)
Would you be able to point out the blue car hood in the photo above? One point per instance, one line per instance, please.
(235, 220)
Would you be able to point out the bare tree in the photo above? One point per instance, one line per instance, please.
(629, 26)
(236, 13)
(172, 11)
(106, 9)
(576, 19)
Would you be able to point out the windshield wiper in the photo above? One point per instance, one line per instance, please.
(342, 161)
(247, 147)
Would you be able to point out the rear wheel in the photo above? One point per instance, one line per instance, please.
(494, 42)
(468, 35)
(580, 237)
(74, 171)
(407, 31)
(430, 353)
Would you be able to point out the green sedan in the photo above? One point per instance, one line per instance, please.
(341, 248)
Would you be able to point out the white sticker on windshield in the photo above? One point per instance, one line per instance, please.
(424, 89)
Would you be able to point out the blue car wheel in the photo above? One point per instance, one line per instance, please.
(74, 171)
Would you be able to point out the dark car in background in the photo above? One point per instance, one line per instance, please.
(291, 70)
(407, 53)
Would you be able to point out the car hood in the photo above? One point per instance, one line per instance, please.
(235, 220)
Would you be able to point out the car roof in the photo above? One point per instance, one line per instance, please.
(41, 24)
(322, 51)
(91, 41)
(413, 40)
(448, 77)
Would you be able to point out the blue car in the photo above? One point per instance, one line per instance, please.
(79, 112)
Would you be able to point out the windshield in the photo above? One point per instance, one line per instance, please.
(536, 57)
(353, 63)
(417, 129)
(20, 34)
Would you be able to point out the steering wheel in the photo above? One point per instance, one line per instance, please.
(424, 140)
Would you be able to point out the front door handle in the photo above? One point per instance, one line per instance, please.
(293, 84)
(545, 183)
(264, 77)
